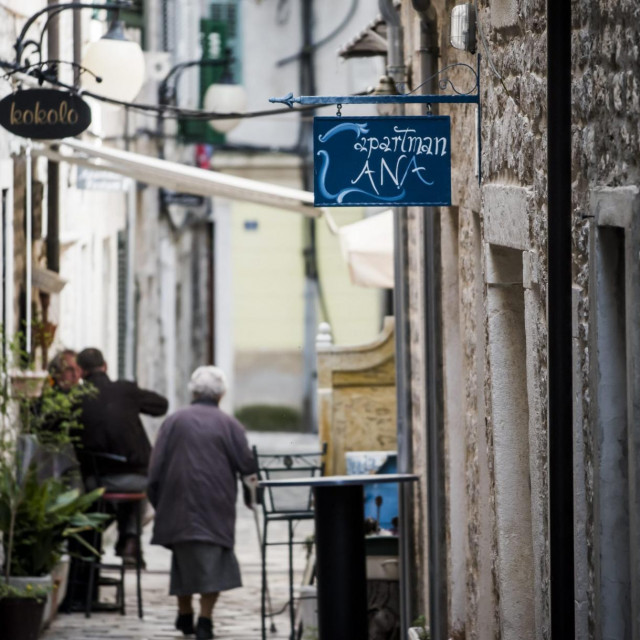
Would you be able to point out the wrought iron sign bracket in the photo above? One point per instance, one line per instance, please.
(458, 97)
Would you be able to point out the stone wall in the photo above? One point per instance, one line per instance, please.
(606, 170)
(494, 288)
(356, 396)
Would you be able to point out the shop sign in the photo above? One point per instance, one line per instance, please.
(44, 114)
(382, 161)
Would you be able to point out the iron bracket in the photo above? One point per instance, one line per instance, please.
(469, 97)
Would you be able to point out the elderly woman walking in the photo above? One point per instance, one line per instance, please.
(193, 480)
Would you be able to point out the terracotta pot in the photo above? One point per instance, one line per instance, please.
(20, 618)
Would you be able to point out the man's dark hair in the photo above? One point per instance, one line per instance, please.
(90, 360)
(58, 362)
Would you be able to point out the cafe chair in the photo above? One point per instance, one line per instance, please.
(96, 568)
(285, 504)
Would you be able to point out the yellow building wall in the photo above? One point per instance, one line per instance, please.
(268, 281)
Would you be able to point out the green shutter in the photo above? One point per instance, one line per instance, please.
(133, 17)
(213, 40)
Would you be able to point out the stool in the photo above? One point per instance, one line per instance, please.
(117, 582)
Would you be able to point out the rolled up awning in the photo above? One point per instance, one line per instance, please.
(367, 247)
(177, 177)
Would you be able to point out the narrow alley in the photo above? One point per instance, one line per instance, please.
(237, 613)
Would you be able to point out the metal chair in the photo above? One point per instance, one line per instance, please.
(110, 499)
(286, 504)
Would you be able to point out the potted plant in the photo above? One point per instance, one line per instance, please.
(38, 511)
(419, 629)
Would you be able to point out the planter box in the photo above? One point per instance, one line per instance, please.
(21, 618)
(60, 579)
(27, 384)
(40, 581)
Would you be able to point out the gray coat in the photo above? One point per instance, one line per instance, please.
(193, 476)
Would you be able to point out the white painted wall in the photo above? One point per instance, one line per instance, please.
(272, 32)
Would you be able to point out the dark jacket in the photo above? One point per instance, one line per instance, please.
(193, 476)
(111, 424)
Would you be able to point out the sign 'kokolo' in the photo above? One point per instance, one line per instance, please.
(382, 161)
(44, 114)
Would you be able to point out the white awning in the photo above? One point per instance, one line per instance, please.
(178, 177)
(367, 247)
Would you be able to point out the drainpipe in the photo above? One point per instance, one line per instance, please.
(53, 168)
(53, 185)
(130, 290)
(77, 45)
(396, 70)
(436, 490)
(311, 277)
(28, 233)
(559, 303)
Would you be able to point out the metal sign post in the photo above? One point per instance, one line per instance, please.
(377, 123)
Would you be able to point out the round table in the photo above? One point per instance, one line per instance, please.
(340, 551)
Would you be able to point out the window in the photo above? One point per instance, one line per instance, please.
(219, 36)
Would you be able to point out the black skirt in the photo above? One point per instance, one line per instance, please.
(202, 567)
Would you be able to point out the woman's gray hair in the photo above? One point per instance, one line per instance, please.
(208, 382)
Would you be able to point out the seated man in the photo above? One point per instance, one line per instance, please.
(111, 425)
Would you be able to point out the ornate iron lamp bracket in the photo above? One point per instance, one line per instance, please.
(53, 10)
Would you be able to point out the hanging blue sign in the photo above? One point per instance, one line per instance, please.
(382, 161)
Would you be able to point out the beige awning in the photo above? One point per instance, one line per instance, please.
(46, 280)
(367, 247)
(178, 177)
(371, 41)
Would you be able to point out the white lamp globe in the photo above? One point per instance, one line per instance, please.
(118, 61)
(225, 98)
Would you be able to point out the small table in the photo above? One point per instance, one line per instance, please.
(340, 551)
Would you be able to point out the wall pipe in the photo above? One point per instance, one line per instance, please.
(436, 490)
(310, 256)
(396, 70)
(28, 232)
(53, 168)
(559, 303)
(77, 45)
(130, 289)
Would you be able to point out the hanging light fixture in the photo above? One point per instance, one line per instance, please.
(118, 61)
(225, 98)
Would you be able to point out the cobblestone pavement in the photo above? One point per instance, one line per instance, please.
(237, 613)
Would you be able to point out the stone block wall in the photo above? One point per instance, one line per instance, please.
(356, 397)
(495, 318)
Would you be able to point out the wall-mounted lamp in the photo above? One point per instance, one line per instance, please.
(462, 31)
(222, 96)
(225, 98)
(107, 58)
(386, 87)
